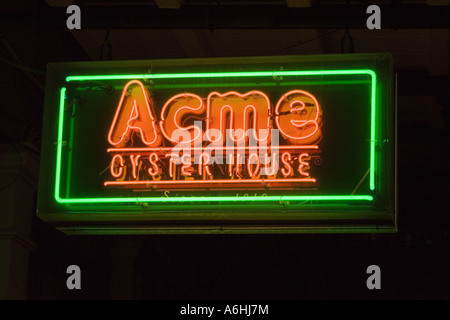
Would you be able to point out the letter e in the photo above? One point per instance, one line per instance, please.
(374, 281)
(74, 281)
(374, 21)
(74, 21)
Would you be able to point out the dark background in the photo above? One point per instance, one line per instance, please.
(414, 261)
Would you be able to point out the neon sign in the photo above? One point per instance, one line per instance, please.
(229, 137)
(240, 145)
(294, 136)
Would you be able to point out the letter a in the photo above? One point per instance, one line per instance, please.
(74, 21)
(134, 114)
(374, 21)
(374, 281)
(74, 281)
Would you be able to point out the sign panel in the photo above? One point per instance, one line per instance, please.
(276, 144)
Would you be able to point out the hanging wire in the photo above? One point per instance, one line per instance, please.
(29, 72)
(347, 45)
(22, 67)
(106, 49)
(300, 43)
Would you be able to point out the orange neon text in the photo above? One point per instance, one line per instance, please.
(158, 167)
(231, 139)
(297, 115)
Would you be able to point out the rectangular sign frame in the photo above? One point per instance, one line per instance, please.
(371, 212)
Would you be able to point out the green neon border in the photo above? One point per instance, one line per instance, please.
(220, 75)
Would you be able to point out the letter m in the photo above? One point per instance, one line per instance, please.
(239, 112)
(134, 115)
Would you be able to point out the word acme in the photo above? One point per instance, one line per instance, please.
(224, 141)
